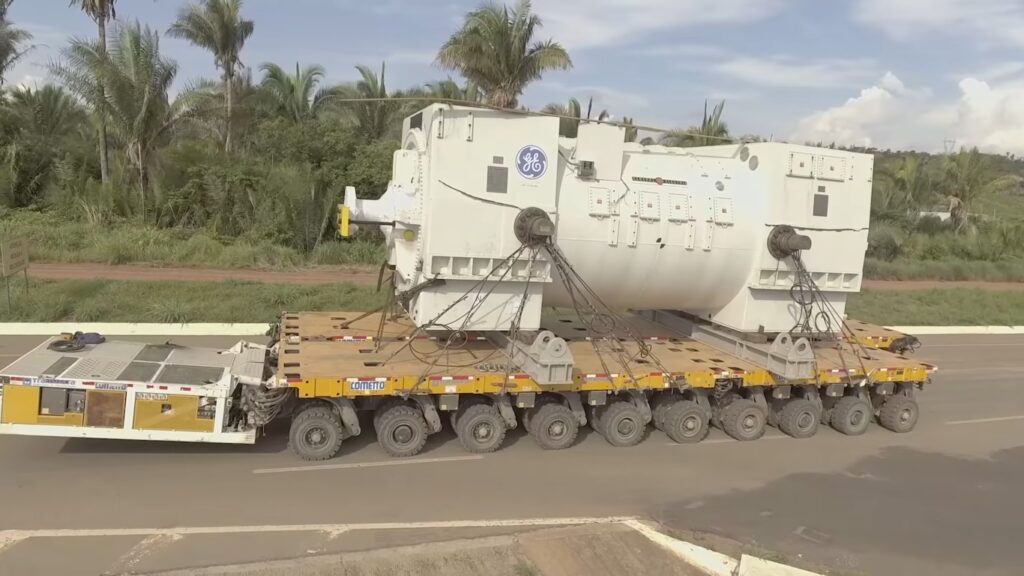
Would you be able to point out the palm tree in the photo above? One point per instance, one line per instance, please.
(12, 40)
(450, 90)
(967, 179)
(569, 117)
(134, 80)
(101, 12)
(49, 112)
(376, 116)
(217, 25)
(631, 130)
(295, 97)
(712, 130)
(496, 50)
(901, 188)
(204, 103)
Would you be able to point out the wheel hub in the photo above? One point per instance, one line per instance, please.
(626, 427)
(856, 418)
(402, 434)
(316, 437)
(691, 424)
(749, 422)
(906, 415)
(483, 431)
(805, 421)
(557, 429)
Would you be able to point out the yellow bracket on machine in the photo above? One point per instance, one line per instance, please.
(343, 221)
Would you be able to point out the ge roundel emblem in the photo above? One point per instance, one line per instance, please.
(531, 162)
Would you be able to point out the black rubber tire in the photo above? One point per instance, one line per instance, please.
(402, 431)
(686, 422)
(316, 433)
(463, 406)
(744, 420)
(851, 415)
(481, 429)
(799, 418)
(554, 426)
(622, 424)
(660, 405)
(383, 407)
(899, 414)
(530, 412)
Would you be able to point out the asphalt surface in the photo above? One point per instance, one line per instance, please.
(944, 499)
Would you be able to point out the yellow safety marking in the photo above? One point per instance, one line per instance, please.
(343, 217)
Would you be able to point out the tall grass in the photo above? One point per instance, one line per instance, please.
(907, 269)
(939, 307)
(177, 302)
(54, 239)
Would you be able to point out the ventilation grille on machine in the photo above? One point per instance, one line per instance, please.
(659, 181)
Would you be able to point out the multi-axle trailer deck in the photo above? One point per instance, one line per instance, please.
(325, 369)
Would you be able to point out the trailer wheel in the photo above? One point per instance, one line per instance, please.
(851, 415)
(686, 422)
(660, 405)
(382, 408)
(316, 433)
(554, 426)
(530, 412)
(743, 420)
(481, 428)
(898, 414)
(798, 418)
(621, 424)
(402, 431)
(464, 405)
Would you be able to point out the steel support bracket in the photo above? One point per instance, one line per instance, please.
(504, 406)
(573, 399)
(430, 414)
(349, 418)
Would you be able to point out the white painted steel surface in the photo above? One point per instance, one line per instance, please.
(646, 226)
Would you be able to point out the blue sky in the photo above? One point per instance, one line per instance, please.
(890, 73)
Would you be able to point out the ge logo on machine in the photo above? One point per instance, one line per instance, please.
(531, 162)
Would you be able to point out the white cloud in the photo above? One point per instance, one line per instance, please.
(681, 50)
(994, 22)
(796, 73)
(581, 24)
(890, 115)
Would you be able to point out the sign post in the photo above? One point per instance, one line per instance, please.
(13, 259)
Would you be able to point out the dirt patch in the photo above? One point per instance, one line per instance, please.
(604, 550)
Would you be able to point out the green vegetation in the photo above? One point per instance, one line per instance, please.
(233, 301)
(244, 171)
(939, 307)
(57, 240)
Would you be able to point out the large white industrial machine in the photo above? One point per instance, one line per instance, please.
(715, 232)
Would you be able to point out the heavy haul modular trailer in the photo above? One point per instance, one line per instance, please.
(324, 369)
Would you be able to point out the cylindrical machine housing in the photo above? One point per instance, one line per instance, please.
(648, 227)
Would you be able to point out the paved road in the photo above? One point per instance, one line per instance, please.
(944, 499)
(356, 275)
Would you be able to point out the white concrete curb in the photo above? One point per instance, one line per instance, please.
(259, 329)
(752, 566)
(130, 329)
(707, 561)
